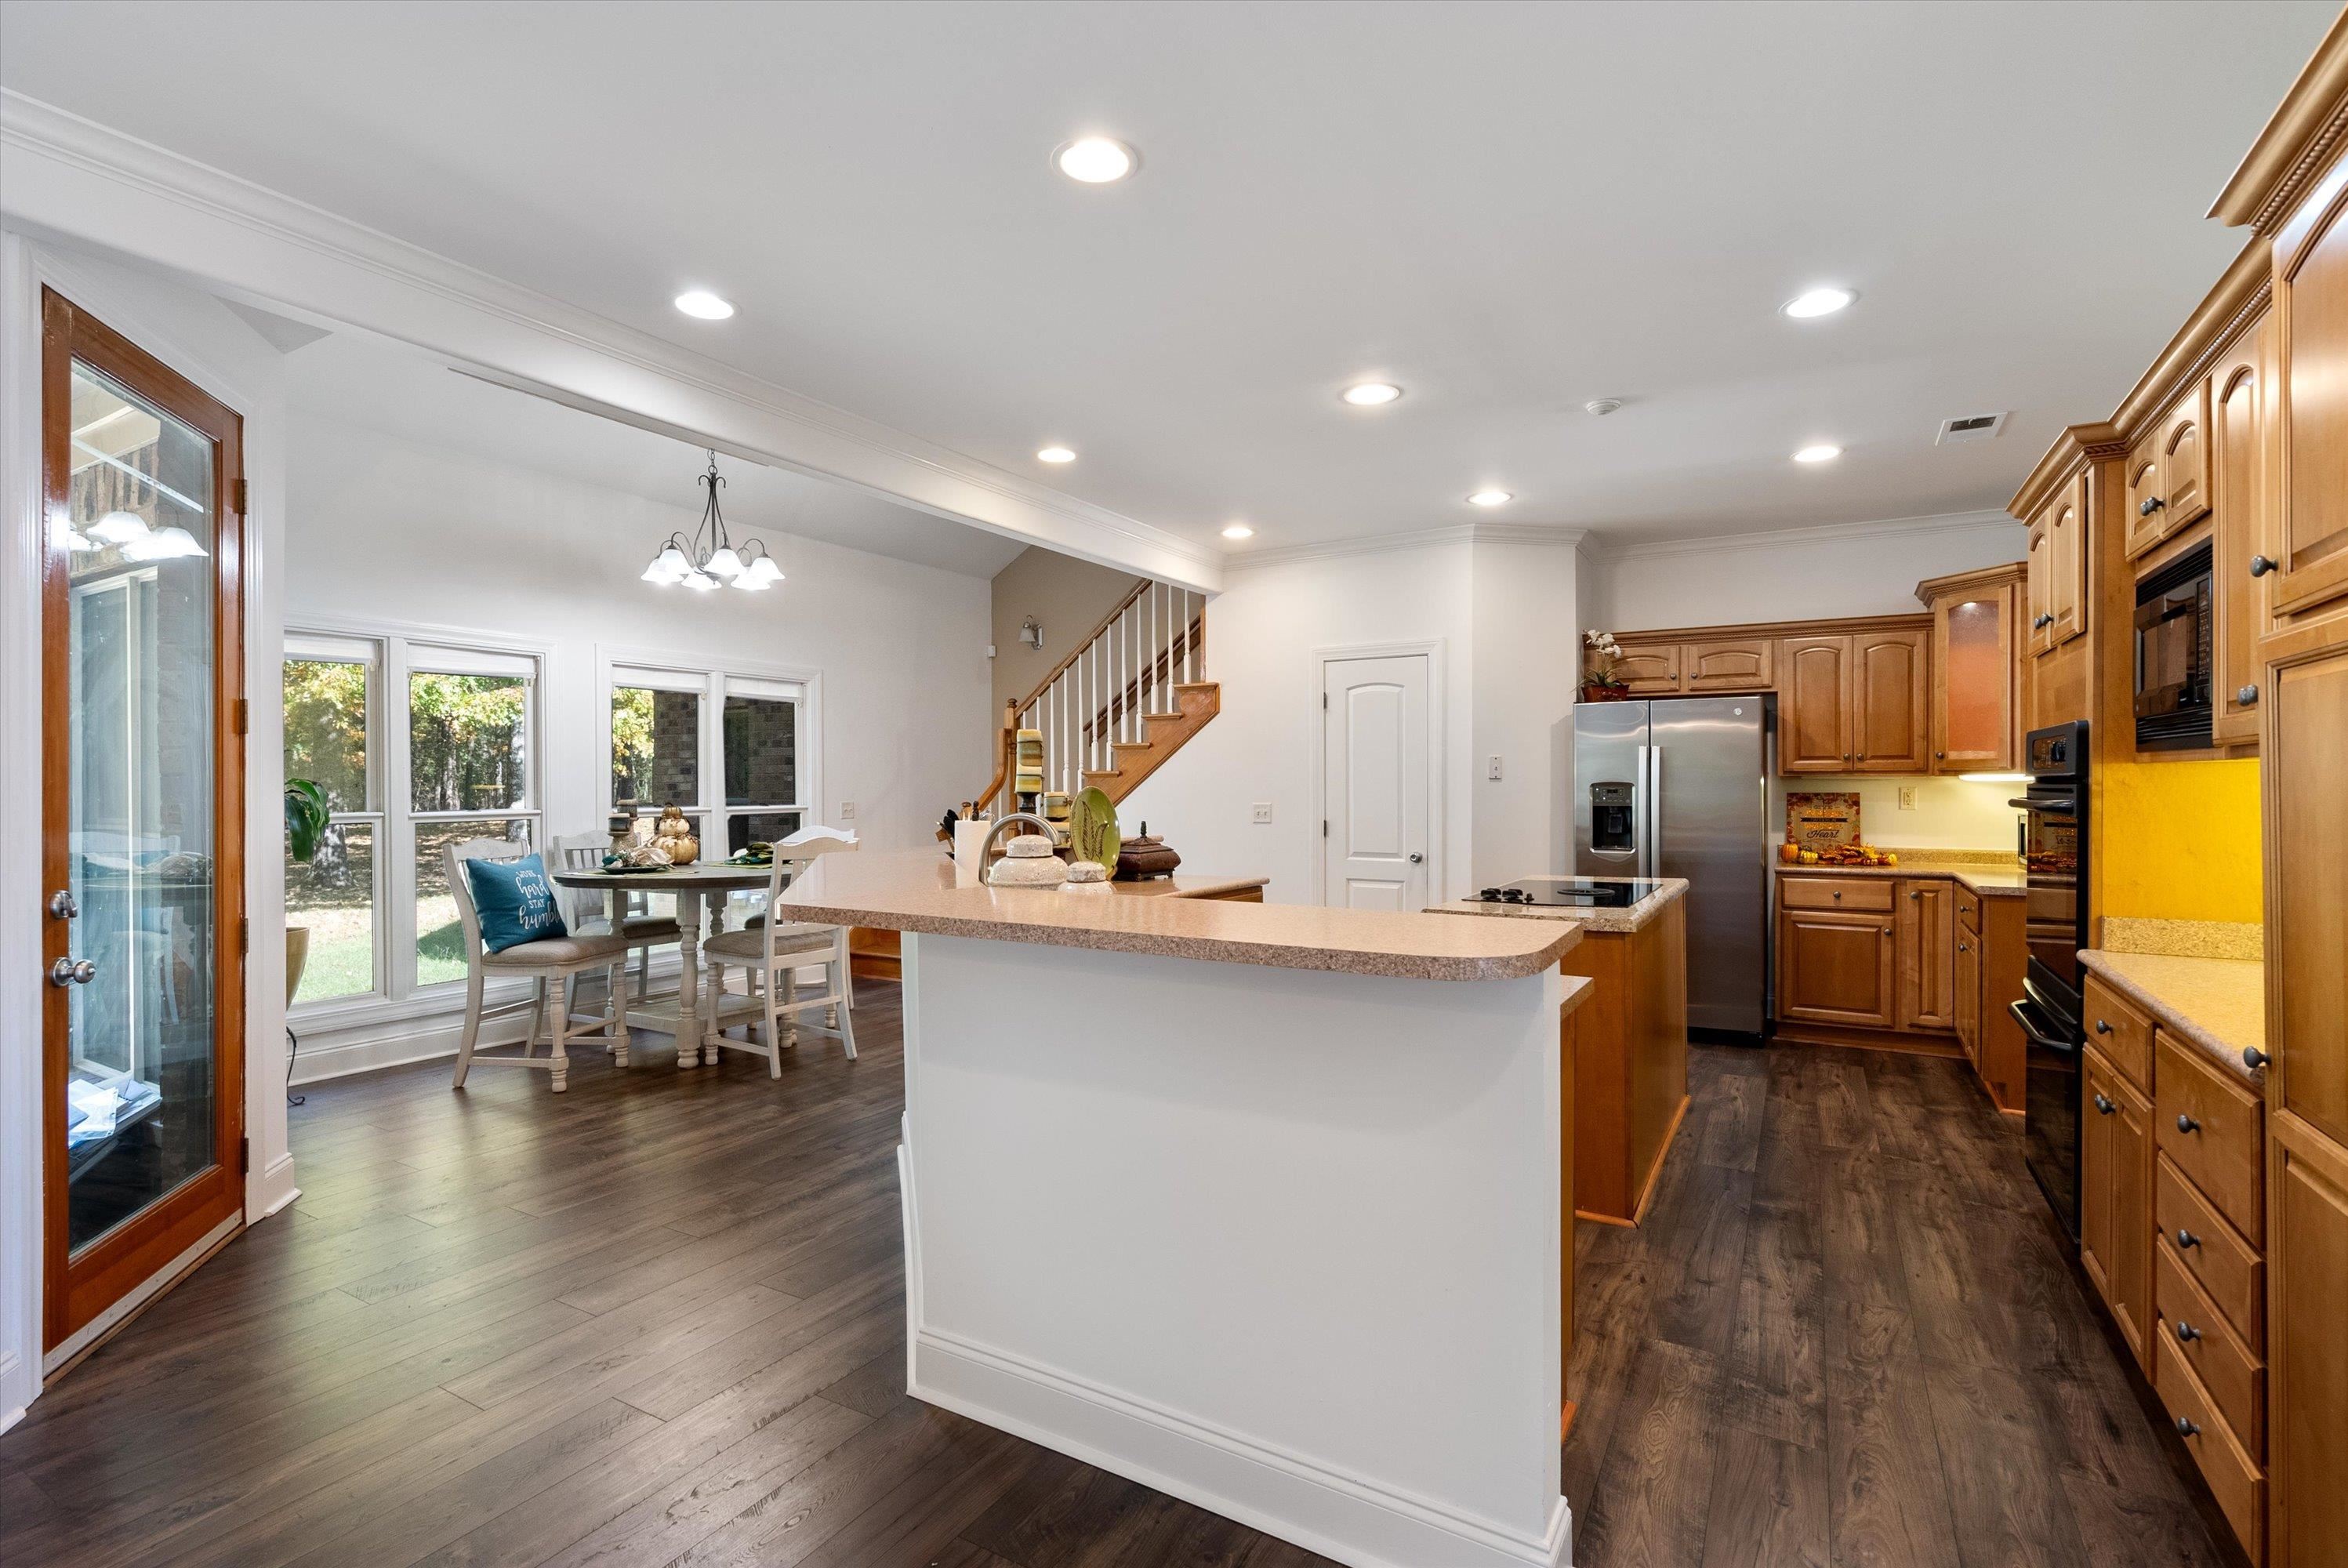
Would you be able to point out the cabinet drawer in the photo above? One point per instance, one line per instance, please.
(2228, 1267)
(1969, 909)
(2233, 1476)
(2119, 1030)
(2213, 1130)
(2235, 1380)
(1851, 895)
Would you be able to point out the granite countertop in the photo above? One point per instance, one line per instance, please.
(1631, 917)
(2217, 1004)
(1991, 873)
(918, 890)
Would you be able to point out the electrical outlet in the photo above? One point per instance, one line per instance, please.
(1492, 767)
(847, 811)
(1261, 811)
(1906, 797)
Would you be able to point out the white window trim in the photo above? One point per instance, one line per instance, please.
(311, 647)
(711, 679)
(400, 994)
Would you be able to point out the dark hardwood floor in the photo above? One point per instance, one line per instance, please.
(659, 1320)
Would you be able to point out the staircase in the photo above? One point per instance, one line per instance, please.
(1111, 713)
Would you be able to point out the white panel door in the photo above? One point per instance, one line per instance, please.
(1373, 777)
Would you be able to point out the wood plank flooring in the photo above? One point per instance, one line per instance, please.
(660, 1320)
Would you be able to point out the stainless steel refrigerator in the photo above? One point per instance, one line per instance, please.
(1679, 786)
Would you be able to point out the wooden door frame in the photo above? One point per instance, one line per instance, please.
(1438, 824)
(113, 1266)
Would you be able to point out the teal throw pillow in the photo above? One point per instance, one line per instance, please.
(515, 901)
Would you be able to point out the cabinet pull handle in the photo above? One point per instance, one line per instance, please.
(2261, 565)
(2105, 1106)
(2102, 1028)
(2247, 696)
(2187, 1124)
(2254, 1058)
(2186, 1429)
(2041, 624)
(2186, 1332)
(2151, 504)
(2185, 1238)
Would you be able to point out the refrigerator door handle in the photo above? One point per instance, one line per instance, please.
(1654, 811)
(1643, 816)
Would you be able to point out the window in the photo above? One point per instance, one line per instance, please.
(463, 765)
(725, 748)
(761, 749)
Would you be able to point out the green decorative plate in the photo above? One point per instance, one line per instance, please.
(1092, 828)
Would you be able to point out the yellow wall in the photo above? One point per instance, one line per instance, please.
(2180, 841)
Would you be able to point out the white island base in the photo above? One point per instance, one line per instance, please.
(1280, 1242)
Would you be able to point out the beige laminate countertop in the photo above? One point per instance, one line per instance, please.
(1991, 878)
(917, 891)
(2217, 1004)
(1630, 917)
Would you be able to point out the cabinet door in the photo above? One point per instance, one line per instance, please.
(2067, 549)
(1927, 955)
(1891, 718)
(1969, 995)
(1972, 684)
(2115, 1197)
(2184, 460)
(2239, 491)
(1814, 706)
(1834, 968)
(2305, 761)
(1651, 669)
(1743, 664)
(2038, 585)
(2307, 1354)
(2310, 529)
(2144, 511)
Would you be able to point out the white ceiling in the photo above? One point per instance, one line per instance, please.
(362, 380)
(1509, 209)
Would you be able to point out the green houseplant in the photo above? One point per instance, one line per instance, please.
(306, 829)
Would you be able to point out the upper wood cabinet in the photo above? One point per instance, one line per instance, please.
(1731, 664)
(1889, 715)
(2239, 489)
(2310, 318)
(1975, 696)
(1814, 706)
(1650, 669)
(2167, 471)
(2066, 563)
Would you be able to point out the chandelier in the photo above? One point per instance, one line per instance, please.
(709, 559)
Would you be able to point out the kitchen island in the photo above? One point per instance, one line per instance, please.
(1259, 1205)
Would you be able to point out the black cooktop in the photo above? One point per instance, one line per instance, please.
(1587, 893)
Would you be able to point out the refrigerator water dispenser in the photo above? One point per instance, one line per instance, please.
(1613, 818)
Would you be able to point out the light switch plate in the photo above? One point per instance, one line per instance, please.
(1492, 767)
(1261, 811)
(1906, 797)
(847, 811)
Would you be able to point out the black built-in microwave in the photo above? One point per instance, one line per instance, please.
(2175, 662)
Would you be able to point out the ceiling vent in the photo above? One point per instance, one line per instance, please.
(1969, 428)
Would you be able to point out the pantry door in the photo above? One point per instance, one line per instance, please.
(1375, 761)
(142, 808)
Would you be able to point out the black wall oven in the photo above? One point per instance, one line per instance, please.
(2054, 927)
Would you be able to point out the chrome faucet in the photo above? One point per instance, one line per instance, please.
(987, 845)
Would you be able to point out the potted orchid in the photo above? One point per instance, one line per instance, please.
(1601, 662)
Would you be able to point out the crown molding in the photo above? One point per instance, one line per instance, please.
(2295, 144)
(1387, 543)
(1822, 534)
(314, 261)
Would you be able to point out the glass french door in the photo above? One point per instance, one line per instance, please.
(142, 813)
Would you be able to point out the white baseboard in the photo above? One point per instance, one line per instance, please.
(1345, 1517)
(12, 1367)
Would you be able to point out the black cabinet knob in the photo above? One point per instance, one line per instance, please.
(2185, 1238)
(2246, 697)
(2104, 1105)
(2187, 1124)
(2261, 565)
(2187, 1332)
(2151, 504)
(2254, 1058)
(1963, 948)
(2042, 623)
(2186, 1429)
(2102, 1028)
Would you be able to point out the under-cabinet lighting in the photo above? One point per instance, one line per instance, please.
(1995, 777)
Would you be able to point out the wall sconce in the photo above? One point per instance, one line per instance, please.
(1031, 632)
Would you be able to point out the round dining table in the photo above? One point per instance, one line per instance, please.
(698, 889)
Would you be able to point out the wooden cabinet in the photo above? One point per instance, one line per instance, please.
(2307, 1272)
(1925, 956)
(2211, 1128)
(2239, 456)
(1730, 664)
(1814, 706)
(1835, 968)
(2115, 1149)
(1890, 712)
(2167, 471)
(1650, 669)
(1969, 995)
(2038, 585)
(2311, 321)
(1975, 701)
(2066, 565)
(2118, 1028)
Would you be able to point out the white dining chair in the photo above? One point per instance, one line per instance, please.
(552, 963)
(586, 912)
(798, 855)
(773, 952)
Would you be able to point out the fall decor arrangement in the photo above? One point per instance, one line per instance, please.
(673, 836)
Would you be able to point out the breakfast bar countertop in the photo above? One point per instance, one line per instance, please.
(1631, 917)
(919, 890)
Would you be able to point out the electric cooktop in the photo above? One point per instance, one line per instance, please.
(1586, 892)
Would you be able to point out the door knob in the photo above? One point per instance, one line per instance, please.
(1416, 858)
(66, 972)
(2185, 1238)
(2187, 1124)
(2261, 565)
(62, 905)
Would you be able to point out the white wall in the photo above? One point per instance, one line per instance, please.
(1794, 574)
(1528, 662)
(383, 530)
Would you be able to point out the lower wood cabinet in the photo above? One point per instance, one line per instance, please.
(1925, 953)
(2116, 1151)
(1835, 968)
(1969, 996)
(2307, 1336)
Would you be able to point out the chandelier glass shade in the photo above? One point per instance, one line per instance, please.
(711, 559)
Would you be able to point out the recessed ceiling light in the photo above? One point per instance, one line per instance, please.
(1817, 302)
(1096, 159)
(704, 304)
(1370, 394)
(1822, 453)
(1056, 455)
(1490, 498)
(1238, 531)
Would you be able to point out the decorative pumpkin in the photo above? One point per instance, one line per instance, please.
(673, 836)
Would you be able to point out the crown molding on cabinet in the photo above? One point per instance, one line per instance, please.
(2073, 449)
(1820, 534)
(83, 182)
(2297, 142)
(1424, 539)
